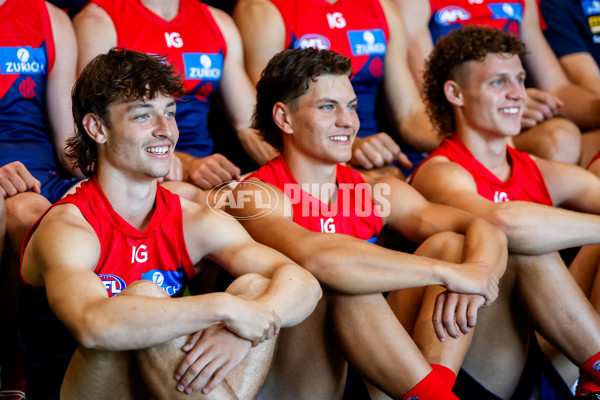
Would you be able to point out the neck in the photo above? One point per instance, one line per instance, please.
(313, 175)
(491, 152)
(133, 200)
(166, 9)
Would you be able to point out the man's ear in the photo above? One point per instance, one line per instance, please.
(453, 93)
(281, 116)
(94, 128)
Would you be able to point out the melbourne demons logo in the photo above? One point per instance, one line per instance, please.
(113, 284)
(27, 88)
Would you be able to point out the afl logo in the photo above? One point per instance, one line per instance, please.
(597, 366)
(113, 284)
(312, 40)
(23, 55)
(451, 15)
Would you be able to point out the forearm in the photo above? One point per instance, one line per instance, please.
(580, 106)
(293, 293)
(129, 322)
(534, 229)
(358, 267)
(416, 131)
(486, 244)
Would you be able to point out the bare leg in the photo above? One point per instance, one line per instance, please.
(556, 139)
(591, 146)
(22, 210)
(308, 362)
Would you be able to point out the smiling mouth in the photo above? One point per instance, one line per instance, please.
(510, 110)
(339, 138)
(157, 150)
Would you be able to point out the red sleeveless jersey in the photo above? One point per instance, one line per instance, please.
(356, 29)
(193, 43)
(526, 182)
(354, 212)
(447, 15)
(157, 254)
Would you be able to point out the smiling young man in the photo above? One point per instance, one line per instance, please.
(324, 216)
(101, 266)
(475, 93)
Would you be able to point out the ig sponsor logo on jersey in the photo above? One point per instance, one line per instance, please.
(500, 197)
(513, 11)
(22, 60)
(336, 20)
(206, 67)
(113, 284)
(367, 43)
(451, 15)
(170, 281)
(312, 40)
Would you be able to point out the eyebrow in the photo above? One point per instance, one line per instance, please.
(144, 105)
(330, 100)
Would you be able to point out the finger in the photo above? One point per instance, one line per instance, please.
(461, 315)
(386, 140)
(29, 180)
(196, 356)
(217, 377)
(384, 152)
(371, 153)
(449, 314)
(195, 374)
(206, 179)
(472, 309)
(192, 340)
(436, 318)
(527, 123)
(361, 160)
(404, 161)
(533, 114)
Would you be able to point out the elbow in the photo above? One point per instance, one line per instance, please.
(504, 219)
(93, 334)
(322, 265)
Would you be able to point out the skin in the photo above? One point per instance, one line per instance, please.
(318, 134)
(481, 97)
(265, 39)
(108, 328)
(96, 34)
(552, 94)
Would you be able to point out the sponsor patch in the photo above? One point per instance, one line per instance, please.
(594, 24)
(170, 281)
(590, 7)
(22, 60)
(367, 42)
(513, 11)
(201, 66)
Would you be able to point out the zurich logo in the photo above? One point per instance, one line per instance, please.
(113, 284)
(451, 15)
(23, 55)
(170, 281)
(368, 37)
(312, 40)
(205, 61)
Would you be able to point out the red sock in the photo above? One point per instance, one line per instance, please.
(432, 387)
(592, 368)
(445, 373)
(586, 385)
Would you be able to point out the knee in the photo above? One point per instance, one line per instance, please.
(445, 246)
(144, 288)
(563, 142)
(249, 286)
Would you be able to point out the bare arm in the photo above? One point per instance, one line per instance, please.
(79, 299)
(263, 33)
(580, 105)
(342, 262)
(582, 70)
(530, 228)
(408, 111)
(293, 293)
(60, 82)
(95, 33)
(238, 92)
(419, 42)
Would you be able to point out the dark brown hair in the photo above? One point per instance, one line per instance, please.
(117, 76)
(285, 79)
(452, 51)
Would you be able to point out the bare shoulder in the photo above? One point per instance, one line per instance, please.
(223, 19)
(436, 174)
(63, 239)
(92, 13)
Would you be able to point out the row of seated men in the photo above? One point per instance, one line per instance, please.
(388, 43)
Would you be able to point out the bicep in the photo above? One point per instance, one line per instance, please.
(95, 34)
(582, 70)
(263, 34)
